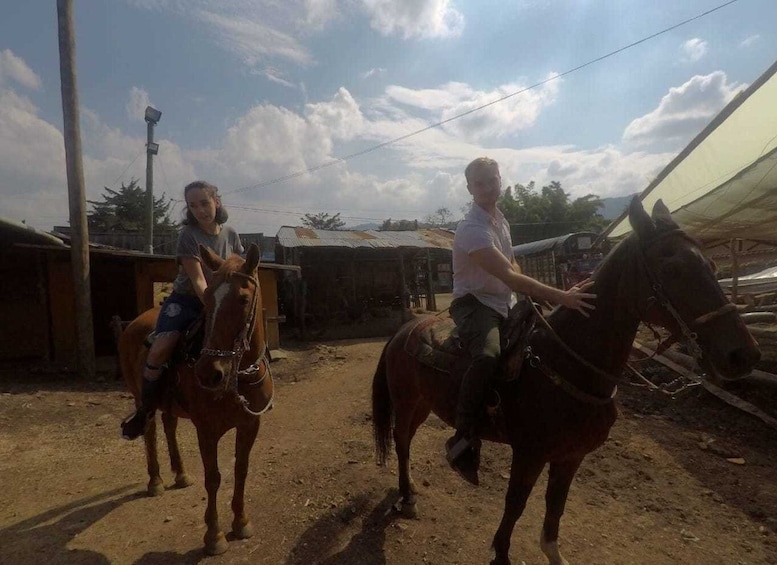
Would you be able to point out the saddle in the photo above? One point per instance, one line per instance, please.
(434, 342)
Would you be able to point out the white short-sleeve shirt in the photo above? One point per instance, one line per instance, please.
(479, 230)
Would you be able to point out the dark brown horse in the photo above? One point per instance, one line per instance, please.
(228, 387)
(561, 406)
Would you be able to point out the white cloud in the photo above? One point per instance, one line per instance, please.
(693, 49)
(252, 40)
(683, 112)
(497, 120)
(13, 68)
(136, 104)
(374, 72)
(750, 41)
(415, 18)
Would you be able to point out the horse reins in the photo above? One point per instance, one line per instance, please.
(662, 299)
(239, 347)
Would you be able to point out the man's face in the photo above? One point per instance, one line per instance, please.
(485, 186)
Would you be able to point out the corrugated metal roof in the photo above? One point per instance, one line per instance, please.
(436, 238)
(543, 245)
(12, 232)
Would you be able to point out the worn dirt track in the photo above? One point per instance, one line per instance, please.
(72, 492)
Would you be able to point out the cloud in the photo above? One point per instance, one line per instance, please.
(693, 50)
(515, 112)
(750, 41)
(13, 68)
(374, 72)
(252, 40)
(683, 112)
(136, 105)
(415, 18)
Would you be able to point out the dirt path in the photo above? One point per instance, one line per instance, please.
(73, 492)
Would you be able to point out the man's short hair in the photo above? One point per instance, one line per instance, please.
(476, 165)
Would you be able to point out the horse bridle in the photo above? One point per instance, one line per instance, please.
(239, 347)
(659, 297)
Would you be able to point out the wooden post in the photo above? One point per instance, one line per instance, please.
(734, 270)
(79, 243)
(431, 300)
(403, 287)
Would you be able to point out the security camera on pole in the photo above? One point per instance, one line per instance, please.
(152, 119)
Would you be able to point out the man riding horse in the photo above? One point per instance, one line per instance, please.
(485, 275)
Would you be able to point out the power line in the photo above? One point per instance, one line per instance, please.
(350, 156)
(128, 166)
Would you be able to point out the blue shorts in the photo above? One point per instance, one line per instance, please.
(178, 311)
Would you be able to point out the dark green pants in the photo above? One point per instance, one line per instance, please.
(478, 327)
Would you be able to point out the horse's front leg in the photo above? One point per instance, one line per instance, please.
(170, 422)
(215, 542)
(560, 477)
(523, 474)
(244, 442)
(155, 485)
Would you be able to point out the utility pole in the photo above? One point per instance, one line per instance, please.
(152, 119)
(79, 242)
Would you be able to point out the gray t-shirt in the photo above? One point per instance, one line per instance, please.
(223, 244)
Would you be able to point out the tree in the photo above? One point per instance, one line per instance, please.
(551, 207)
(440, 218)
(399, 225)
(124, 210)
(323, 221)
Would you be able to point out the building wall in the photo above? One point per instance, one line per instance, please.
(24, 329)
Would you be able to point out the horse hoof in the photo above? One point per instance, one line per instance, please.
(155, 488)
(217, 546)
(408, 510)
(243, 532)
(183, 481)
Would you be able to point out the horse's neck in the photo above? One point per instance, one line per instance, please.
(605, 337)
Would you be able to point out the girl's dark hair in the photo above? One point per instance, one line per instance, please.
(210, 190)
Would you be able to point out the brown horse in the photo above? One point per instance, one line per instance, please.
(560, 408)
(228, 387)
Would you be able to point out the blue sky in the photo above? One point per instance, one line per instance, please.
(254, 90)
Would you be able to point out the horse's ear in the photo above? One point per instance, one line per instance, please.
(211, 260)
(662, 215)
(640, 221)
(252, 259)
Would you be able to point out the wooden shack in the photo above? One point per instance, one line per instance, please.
(38, 310)
(349, 275)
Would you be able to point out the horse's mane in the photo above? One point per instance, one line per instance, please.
(231, 264)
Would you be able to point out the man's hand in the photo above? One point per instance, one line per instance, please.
(576, 299)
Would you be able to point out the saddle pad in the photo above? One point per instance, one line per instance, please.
(434, 343)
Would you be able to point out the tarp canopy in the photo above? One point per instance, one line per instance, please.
(723, 185)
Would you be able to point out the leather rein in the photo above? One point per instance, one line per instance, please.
(239, 347)
(660, 297)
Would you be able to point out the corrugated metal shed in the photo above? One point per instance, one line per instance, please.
(544, 245)
(436, 238)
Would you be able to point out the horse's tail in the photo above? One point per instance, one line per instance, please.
(382, 410)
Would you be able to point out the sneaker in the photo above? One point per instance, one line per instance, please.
(463, 455)
(136, 425)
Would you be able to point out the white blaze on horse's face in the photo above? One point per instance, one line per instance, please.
(218, 297)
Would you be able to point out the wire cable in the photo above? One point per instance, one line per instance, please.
(393, 141)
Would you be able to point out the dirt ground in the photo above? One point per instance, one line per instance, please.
(660, 491)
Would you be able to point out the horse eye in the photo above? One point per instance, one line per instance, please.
(244, 300)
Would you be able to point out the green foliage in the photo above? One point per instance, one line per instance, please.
(399, 225)
(551, 208)
(323, 221)
(124, 210)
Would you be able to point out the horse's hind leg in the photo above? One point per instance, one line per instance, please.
(560, 476)
(523, 475)
(407, 421)
(244, 441)
(155, 485)
(170, 422)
